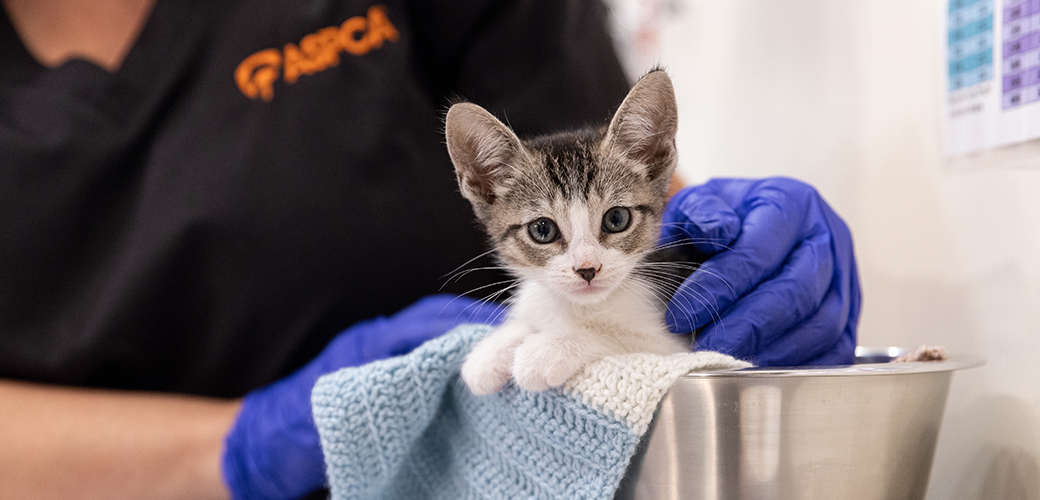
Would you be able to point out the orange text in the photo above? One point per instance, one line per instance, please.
(318, 51)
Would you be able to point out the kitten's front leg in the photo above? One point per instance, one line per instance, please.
(549, 358)
(488, 366)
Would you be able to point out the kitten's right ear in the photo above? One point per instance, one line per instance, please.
(483, 150)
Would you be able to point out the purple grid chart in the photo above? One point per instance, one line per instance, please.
(1021, 59)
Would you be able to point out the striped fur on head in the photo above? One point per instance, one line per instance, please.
(572, 179)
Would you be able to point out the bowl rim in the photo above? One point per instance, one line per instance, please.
(956, 361)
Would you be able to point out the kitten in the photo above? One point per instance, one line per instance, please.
(572, 215)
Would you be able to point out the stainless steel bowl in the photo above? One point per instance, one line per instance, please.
(859, 432)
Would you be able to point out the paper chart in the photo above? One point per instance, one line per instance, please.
(991, 81)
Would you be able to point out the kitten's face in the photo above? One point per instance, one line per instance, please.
(577, 220)
(574, 211)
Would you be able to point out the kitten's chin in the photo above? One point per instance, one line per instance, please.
(590, 293)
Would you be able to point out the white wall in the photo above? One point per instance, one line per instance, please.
(846, 96)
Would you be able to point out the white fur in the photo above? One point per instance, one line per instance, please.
(549, 338)
(559, 323)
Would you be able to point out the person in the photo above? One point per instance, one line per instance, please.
(204, 206)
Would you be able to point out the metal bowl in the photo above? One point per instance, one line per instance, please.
(858, 432)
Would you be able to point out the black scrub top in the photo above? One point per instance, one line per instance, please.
(259, 175)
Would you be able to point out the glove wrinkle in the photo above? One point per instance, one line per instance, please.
(785, 290)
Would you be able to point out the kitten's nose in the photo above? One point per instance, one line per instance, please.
(586, 273)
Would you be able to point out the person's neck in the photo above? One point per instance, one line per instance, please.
(99, 31)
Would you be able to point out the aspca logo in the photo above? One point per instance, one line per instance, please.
(318, 51)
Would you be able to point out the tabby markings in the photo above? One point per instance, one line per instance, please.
(318, 51)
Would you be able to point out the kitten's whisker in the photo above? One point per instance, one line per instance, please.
(459, 275)
(487, 298)
(677, 244)
(675, 279)
(713, 303)
(684, 310)
(681, 225)
(684, 241)
(489, 285)
(649, 268)
(512, 280)
(715, 314)
(677, 270)
(637, 292)
(648, 283)
(666, 279)
(497, 315)
(693, 266)
(505, 307)
(468, 262)
(698, 268)
(669, 281)
(658, 285)
(716, 275)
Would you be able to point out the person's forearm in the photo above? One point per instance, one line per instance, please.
(58, 442)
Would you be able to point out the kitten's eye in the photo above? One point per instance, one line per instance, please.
(543, 230)
(616, 220)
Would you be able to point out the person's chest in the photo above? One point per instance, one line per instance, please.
(168, 200)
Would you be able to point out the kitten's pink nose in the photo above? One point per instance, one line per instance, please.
(586, 273)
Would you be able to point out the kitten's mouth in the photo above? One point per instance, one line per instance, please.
(590, 289)
(590, 292)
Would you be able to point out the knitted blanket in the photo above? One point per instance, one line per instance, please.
(408, 428)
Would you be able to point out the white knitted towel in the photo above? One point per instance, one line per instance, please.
(630, 386)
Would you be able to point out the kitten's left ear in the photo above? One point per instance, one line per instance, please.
(644, 127)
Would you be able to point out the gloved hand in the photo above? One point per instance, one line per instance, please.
(273, 450)
(780, 286)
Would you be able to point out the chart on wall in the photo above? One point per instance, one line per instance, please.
(992, 75)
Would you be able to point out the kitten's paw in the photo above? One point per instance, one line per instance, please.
(530, 378)
(542, 362)
(482, 377)
(487, 367)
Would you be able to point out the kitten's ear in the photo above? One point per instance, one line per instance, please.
(483, 150)
(644, 127)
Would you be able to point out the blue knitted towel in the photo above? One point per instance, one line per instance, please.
(408, 428)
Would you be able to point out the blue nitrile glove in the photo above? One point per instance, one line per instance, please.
(780, 287)
(272, 451)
